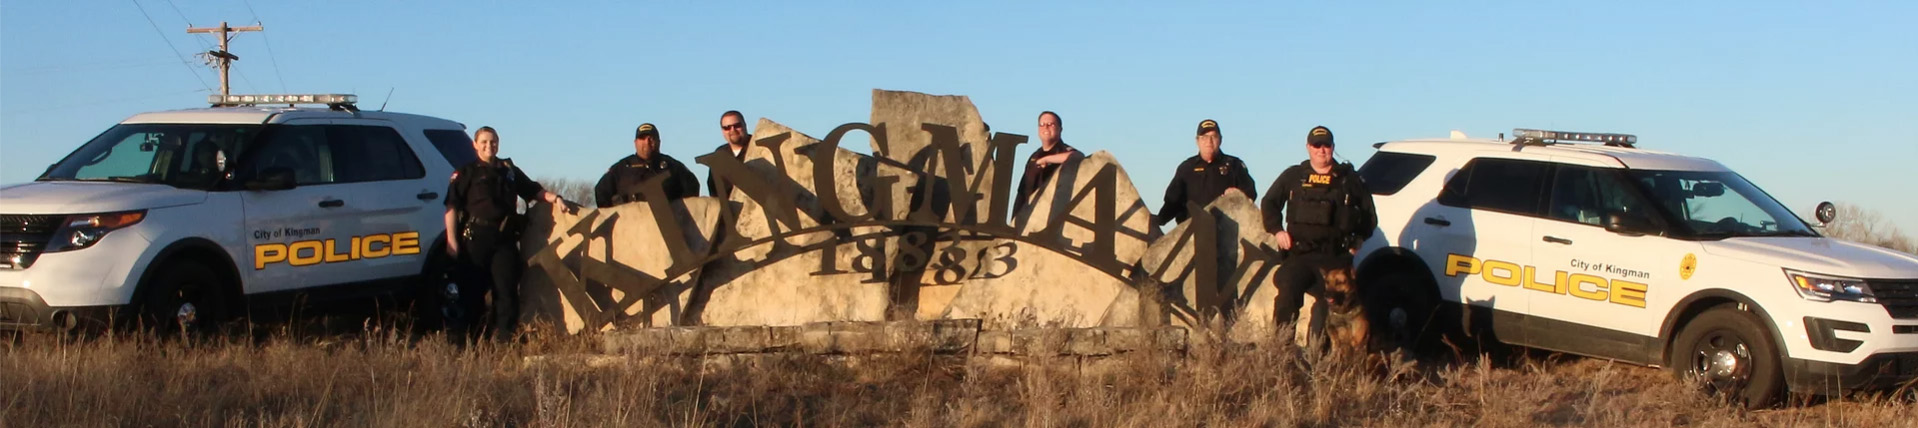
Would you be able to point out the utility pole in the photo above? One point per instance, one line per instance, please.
(221, 58)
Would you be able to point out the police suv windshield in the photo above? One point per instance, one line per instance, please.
(1716, 204)
(189, 156)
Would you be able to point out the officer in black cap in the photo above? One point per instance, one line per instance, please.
(483, 227)
(621, 182)
(1327, 212)
(1202, 178)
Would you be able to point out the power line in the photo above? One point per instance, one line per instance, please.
(270, 57)
(176, 11)
(169, 46)
(107, 64)
(43, 108)
(248, 82)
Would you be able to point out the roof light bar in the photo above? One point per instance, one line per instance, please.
(241, 100)
(1623, 140)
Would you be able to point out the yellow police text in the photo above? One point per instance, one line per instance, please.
(317, 251)
(1583, 286)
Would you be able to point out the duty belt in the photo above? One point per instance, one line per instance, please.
(473, 224)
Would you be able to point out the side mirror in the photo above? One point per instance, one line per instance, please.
(1826, 212)
(271, 179)
(1627, 224)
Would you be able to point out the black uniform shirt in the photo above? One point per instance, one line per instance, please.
(486, 191)
(1322, 211)
(1036, 176)
(718, 187)
(1202, 182)
(621, 182)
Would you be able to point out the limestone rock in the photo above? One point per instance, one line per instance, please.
(1084, 177)
(769, 284)
(1246, 277)
(1053, 277)
(792, 165)
(594, 268)
(904, 114)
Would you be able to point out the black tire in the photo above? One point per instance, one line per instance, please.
(186, 297)
(1406, 312)
(1729, 352)
(435, 298)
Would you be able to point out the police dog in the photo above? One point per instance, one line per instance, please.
(1347, 328)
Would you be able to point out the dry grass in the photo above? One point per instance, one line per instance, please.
(384, 378)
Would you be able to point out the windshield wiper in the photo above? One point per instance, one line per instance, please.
(120, 179)
(1804, 233)
(1713, 236)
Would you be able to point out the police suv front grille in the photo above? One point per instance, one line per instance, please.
(23, 237)
(1899, 296)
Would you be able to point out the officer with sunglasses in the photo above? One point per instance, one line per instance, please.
(732, 125)
(1319, 211)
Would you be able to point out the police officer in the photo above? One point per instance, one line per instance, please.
(621, 182)
(732, 126)
(1040, 166)
(483, 230)
(1327, 214)
(1202, 178)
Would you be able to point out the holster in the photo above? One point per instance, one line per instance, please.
(505, 229)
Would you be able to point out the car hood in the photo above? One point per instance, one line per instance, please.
(78, 197)
(1819, 255)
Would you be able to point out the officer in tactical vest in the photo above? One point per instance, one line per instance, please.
(1327, 212)
(483, 227)
(621, 182)
(1203, 177)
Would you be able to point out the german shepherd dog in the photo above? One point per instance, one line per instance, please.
(1347, 328)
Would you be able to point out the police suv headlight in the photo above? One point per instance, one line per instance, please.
(1825, 288)
(83, 230)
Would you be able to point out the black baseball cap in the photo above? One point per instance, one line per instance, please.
(646, 129)
(1320, 136)
(1209, 125)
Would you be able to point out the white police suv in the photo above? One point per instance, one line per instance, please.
(1583, 243)
(182, 219)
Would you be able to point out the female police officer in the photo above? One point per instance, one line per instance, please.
(483, 226)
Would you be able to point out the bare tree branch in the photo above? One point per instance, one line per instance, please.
(1858, 224)
(578, 191)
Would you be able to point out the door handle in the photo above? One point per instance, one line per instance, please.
(428, 196)
(1557, 240)
(332, 203)
(1435, 221)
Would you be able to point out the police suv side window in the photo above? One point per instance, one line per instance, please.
(1504, 185)
(371, 153)
(454, 145)
(1388, 172)
(1586, 195)
(295, 148)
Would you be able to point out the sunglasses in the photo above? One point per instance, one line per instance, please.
(1319, 145)
(732, 127)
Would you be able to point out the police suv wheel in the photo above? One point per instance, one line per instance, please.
(185, 297)
(1726, 351)
(1406, 312)
(436, 296)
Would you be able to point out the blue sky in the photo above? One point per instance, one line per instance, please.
(1812, 101)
